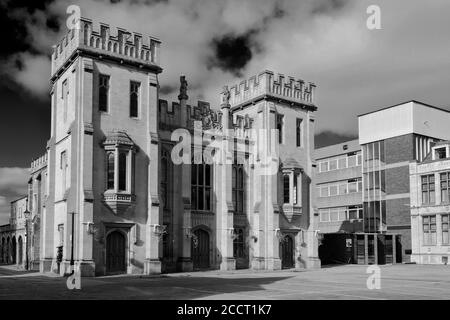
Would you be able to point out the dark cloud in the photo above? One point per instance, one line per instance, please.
(328, 6)
(327, 138)
(232, 53)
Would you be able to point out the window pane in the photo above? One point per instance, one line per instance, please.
(324, 191)
(342, 163)
(352, 187)
(342, 188)
(208, 198)
(134, 99)
(333, 190)
(110, 171)
(333, 164)
(286, 189)
(323, 166)
(207, 175)
(122, 171)
(193, 174)
(334, 214)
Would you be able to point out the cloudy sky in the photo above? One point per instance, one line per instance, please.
(219, 42)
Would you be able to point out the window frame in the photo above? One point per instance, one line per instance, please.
(107, 87)
(137, 85)
(428, 234)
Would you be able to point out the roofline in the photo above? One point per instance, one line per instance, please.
(399, 104)
(19, 199)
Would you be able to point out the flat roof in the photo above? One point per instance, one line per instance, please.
(337, 149)
(399, 104)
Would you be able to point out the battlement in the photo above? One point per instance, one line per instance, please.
(124, 46)
(170, 118)
(39, 163)
(267, 84)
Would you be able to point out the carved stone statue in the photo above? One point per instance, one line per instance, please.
(226, 95)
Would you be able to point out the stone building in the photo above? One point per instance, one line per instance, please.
(20, 239)
(118, 201)
(13, 235)
(430, 206)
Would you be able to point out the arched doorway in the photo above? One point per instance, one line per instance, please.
(13, 250)
(287, 252)
(115, 252)
(200, 249)
(20, 259)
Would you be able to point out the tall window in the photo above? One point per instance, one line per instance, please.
(201, 187)
(286, 188)
(65, 98)
(122, 171)
(238, 243)
(165, 181)
(238, 188)
(280, 125)
(445, 228)
(110, 171)
(299, 132)
(103, 92)
(445, 186)
(428, 189)
(429, 230)
(63, 167)
(134, 99)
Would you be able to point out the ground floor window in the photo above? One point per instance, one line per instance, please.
(429, 230)
(445, 229)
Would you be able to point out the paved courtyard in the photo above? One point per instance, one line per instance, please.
(340, 282)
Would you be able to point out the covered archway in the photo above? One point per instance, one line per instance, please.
(13, 251)
(8, 251)
(20, 251)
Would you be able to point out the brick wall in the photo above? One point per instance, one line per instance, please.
(399, 149)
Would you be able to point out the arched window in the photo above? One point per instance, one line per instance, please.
(103, 93)
(110, 171)
(122, 171)
(238, 188)
(134, 99)
(165, 181)
(201, 187)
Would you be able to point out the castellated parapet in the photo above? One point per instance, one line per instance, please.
(124, 47)
(39, 163)
(267, 85)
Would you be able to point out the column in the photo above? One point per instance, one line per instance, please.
(184, 262)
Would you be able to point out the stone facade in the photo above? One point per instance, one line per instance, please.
(430, 207)
(115, 200)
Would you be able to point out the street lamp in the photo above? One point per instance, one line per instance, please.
(27, 215)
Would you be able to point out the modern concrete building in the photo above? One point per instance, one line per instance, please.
(339, 187)
(117, 198)
(430, 206)
(390, 138)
